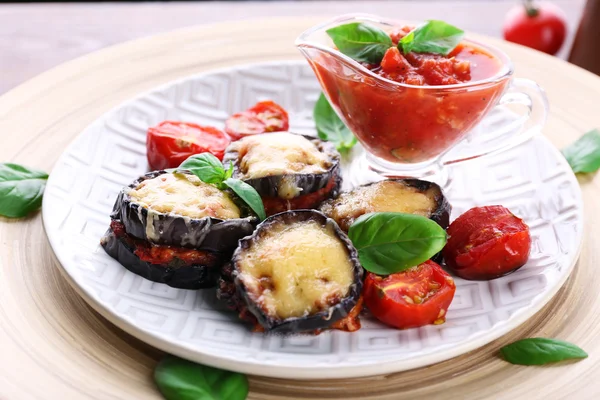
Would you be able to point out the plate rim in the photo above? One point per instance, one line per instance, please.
(305, 371)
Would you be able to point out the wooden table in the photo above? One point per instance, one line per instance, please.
(36, 37)
(54, 346)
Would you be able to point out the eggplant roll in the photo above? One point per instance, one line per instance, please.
(289, 171)
(298, 272)
(175, 266)
(411, 196)
(180, 210)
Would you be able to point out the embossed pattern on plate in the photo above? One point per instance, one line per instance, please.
(533, 180)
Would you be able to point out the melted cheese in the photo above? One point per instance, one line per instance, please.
(296, 270)
(278, 154)
(185, 195)
(384, 196)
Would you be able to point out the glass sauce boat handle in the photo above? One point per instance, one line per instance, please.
(522, 94)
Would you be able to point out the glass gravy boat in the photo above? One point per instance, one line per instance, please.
(409, 130)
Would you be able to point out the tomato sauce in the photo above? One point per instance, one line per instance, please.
(412, 124)
(163, 255)
(274, 205)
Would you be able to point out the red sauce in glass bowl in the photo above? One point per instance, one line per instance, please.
(414, 122)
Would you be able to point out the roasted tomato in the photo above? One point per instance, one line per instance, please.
(170, 143)
(416, 297)
(264, 116)
(486, 243)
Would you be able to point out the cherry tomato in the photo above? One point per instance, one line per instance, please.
(264, 116)
(416, 297)
(170, 143)
(244, 124)
(542, 27)
(486, 243)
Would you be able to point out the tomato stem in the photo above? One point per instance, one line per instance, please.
(531, 10)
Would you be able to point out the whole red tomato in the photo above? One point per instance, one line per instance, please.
(170, 143)
(486, 243)
(416, 297)
(540, 26)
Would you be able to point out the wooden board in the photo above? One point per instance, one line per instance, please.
(53, 346)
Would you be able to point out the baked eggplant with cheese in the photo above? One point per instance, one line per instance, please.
(178, 267)
(180, 210)
(411, 196)
(297, 272)
(289, 171)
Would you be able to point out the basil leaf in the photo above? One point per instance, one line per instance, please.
(539, 351)
(389, 242)
(179, 379)
(362, 42)
(229, 172)
(205, 166)
(249, 195)
(330, 127)
(434, 36)
(210, 170)
(584, 154)
(21, 190)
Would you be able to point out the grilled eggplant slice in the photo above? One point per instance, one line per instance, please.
(298, 272)
(180, 210)
(289, 171)
(412, 196)
(175, 266)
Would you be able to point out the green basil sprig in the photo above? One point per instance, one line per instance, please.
(436, 37)
(362, 42)
(206, 167)
(21, 190)
(367, 43)
(209, 169)
(389, 242)
(179, 379)
(330, 127)
(540, 351)
(584, 154)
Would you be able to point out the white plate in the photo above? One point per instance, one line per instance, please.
(533, 180)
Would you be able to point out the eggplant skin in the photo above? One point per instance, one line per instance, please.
(211, 234)
(227, 293)
(443, 208)
(268, 186)
(314, 322)
(275, 205)
(190, 277)
(441, 214)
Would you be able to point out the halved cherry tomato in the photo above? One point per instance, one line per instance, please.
(416, 297)
(264, 116)
(540, 26)
(486, 243)
(170, 143)
(244, 124)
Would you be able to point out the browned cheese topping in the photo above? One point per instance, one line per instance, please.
(296, 270)
(384, 196)
(281, 153)
(185, 195)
